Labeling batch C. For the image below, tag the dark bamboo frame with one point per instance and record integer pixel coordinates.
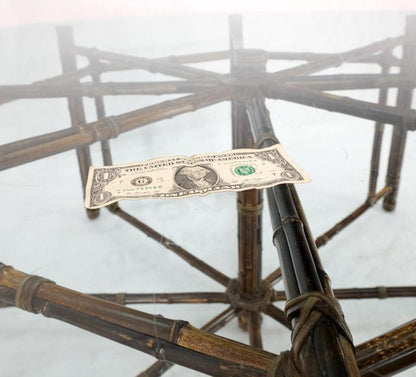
(321, 340)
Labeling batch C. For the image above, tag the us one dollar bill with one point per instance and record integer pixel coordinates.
(180, 176)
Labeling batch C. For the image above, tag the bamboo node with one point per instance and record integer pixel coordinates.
(26, 292)
(287, 220)
(322, 240)
(121, 298)
(265, 137)
(371, 200)
(409, 120)
(177, 330)
(168, 243)
(250, 210)
(114, 125)
(382, 292)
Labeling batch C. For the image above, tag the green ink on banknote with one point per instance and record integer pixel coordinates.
(244, 170)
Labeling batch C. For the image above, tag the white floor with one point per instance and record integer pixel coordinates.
(45, 230)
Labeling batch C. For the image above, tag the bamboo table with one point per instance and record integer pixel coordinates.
(321, 341)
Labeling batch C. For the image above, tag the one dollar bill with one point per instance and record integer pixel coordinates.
(180, 176)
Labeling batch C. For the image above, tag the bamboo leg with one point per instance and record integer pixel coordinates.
(76, 108)
(322, 346)
(404, 103)
(250, 247)
(254, 329)
(100, 109)
(239, 132)
(218, 322)
(238, 115)
(378, 138)
(249, 203)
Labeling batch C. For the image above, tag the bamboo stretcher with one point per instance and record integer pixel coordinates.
(321, 340)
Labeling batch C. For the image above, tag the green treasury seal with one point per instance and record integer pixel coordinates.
(244, 170)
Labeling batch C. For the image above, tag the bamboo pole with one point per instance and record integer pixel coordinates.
(389, 353)
(247, 64)
(63, 78)
(250, 205)
(404, 103)
(362, 293)
(100, 111)
(108, 88)
(60, 88)
(30, 91)
(76, 107)
(198, 57)
(23, 151)
(239, 131)
(350, 81)
(322, 82)
(337, 59)
(370, 202)
(380, 292)
(238, 115)
(375, 59)
(164, 298)
(218, 322)
(274, 277)
(278, 315)
(152, 65)
(172, 246)
(174, 341)
(324, 347)
(377, 139)
(49, 84)
(344, 105)
(254, 329)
